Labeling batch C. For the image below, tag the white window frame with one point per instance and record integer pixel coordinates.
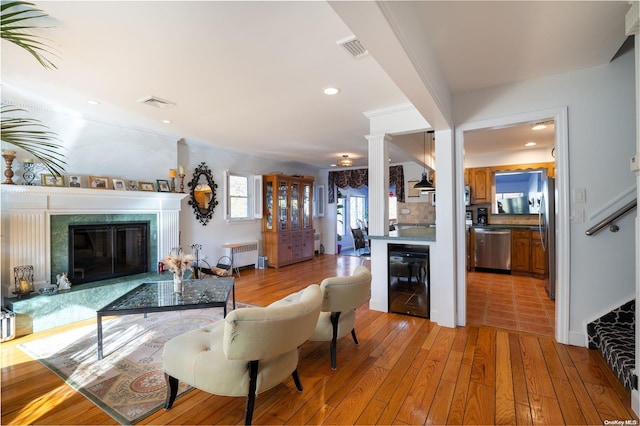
(254, 197)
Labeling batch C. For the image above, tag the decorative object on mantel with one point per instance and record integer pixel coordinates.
(178, 262)
(181, 175)
(29, 175)
(63, 282)
(48, 291)
(203, 193)
(23, 280)
(8, 156)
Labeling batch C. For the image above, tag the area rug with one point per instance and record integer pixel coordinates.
(128, 383)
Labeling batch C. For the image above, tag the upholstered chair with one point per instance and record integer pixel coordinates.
(249, 352)
(340, 298)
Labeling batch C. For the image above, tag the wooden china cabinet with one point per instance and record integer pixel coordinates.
(287, 223)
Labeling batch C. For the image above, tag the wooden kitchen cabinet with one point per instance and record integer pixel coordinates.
(520, 250)
(480, 182)
(287, 223)
(539, 262)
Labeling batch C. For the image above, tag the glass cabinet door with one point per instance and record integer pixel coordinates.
(283, 190)
(268, 205)
(295, 206)
(306, 205)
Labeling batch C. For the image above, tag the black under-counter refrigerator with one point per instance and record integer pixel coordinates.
(409, 279)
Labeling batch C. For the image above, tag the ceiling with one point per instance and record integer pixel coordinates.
(248, 76)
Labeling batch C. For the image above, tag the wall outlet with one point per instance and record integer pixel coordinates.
(635, 163)
(405, 211)
(578, 216)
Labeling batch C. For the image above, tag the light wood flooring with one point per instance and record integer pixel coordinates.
(511, 302)
(406, 370)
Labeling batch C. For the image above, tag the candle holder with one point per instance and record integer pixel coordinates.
(173, 184)
(182, 183)
(23, 280)
(8, 173)
(28, 174)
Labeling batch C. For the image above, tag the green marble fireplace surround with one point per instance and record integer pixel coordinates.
(60, 236)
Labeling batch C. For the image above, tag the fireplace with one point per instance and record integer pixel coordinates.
(107, 250)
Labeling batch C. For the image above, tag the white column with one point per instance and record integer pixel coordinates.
(379, 184)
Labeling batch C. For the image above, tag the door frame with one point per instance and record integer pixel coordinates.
(563, 224)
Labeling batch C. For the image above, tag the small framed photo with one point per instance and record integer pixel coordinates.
(51, 180)
(118, 185)
(147, 186)
(75, 181)
(132, 185)
(163, 185)
(99, 182)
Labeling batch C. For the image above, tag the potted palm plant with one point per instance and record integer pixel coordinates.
(26, 133)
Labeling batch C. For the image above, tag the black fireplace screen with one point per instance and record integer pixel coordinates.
(103, 251)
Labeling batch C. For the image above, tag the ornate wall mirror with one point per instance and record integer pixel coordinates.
(203, 193)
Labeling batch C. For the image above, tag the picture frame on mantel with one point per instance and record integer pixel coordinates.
(51, 180)
(99, 182)
(411, 191)
(147, 186)
(163, 185)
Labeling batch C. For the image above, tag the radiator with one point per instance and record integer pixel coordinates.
(316, 242)
(244, 254)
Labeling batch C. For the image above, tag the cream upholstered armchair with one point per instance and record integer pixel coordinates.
(340, 298)
(249, 352)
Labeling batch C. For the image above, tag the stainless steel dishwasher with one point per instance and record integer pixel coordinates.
(492, 248)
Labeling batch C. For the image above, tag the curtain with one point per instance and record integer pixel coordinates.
(357, 178)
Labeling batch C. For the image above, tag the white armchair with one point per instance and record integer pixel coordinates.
(249, 352)
(340, 298)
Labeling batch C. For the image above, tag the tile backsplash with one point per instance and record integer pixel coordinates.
(416, 213)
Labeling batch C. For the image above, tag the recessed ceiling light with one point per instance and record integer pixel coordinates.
(331, 91)
(530, 144)
(92, 102)
(166, 121)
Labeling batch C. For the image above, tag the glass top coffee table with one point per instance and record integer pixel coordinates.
(159, 297)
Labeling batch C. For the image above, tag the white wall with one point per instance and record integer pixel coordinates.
(602, 120)
(218, 232)
(94, 147)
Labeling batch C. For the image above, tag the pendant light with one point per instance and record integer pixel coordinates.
(425, 184)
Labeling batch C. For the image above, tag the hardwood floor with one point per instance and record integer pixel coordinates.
(406, 370)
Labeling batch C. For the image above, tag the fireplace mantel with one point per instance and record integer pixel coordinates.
(26, 227)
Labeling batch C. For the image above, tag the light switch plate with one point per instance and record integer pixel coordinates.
(579, 195)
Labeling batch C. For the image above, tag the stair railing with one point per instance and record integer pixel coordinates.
(611, 219)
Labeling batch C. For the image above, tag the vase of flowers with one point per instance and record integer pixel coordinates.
(178, 262)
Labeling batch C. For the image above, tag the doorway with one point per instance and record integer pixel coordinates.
(560, 151)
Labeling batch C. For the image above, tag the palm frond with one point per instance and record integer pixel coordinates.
(13, 15)
(34, 137)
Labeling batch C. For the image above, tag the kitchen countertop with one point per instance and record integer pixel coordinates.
(410, 233)
(505, 226)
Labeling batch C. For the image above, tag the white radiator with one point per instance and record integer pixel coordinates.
(244, 254)
(316, 242)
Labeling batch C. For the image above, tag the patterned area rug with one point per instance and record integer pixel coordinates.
(128, 383)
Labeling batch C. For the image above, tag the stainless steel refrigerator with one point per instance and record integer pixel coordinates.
(547, 226)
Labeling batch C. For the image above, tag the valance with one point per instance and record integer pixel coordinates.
(357, 178)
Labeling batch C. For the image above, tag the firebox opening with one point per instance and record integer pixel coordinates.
(102, 251)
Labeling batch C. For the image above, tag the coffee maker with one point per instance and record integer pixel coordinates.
(482, 216)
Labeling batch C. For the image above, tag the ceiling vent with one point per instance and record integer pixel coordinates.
(353, 47)
(157, 102)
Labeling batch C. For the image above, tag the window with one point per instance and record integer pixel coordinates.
(357, 210)
(242, 193)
